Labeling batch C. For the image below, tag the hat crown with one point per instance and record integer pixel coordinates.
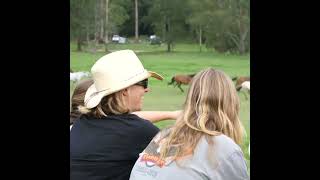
(117, 69)
(114, 72)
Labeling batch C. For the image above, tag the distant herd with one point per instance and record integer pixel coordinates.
(241, 82)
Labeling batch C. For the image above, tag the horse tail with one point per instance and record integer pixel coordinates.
(172, 81)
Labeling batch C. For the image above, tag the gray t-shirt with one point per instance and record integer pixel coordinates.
(221, 161)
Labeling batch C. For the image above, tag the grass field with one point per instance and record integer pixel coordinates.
(184, 59)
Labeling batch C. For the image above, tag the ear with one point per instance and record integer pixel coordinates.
(125, 92)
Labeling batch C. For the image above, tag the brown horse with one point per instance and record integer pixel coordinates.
(181, 79)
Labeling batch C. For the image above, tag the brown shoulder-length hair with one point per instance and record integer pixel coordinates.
(210, 109)
(77, 98)
(109, 105)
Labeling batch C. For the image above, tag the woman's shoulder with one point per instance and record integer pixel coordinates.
(232, 164)
(140, 124)
(226, 144)
(129, 120)
(222, 146)
(138, 120)
(224, 140)
(162, 134)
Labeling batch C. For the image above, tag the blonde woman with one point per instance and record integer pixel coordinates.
(204, 141)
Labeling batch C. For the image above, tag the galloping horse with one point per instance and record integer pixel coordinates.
(181, 79)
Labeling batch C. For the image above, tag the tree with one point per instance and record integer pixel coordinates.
(116, 15)
(242, 17)
(90, 18)
(136, 21)
(224, 24)
(168, 20)
(128, 27)
(229, 26)
(107, 23)
(199, 17)
(81, 20)
(101, 19)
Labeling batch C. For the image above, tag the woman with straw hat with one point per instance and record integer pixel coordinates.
(77, 106)
(107, 139)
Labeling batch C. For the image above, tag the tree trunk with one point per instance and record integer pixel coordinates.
(87, 34)
(242, 41)
(200, 37)
(96, 21)
(241, 46)
(101, 20)
(164, 36)
(169, 47)
(241, 31)
(106, 27)
(79, 44)
(136, 22)
(164, 29)
(168, 35)
(101, 29)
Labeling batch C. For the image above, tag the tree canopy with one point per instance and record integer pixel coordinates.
(223, 25)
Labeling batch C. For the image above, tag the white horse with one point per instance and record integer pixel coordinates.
(76, 76)
(245, 86)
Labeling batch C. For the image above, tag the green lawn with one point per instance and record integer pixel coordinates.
(184, 59)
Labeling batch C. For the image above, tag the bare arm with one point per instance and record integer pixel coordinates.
(155, 116)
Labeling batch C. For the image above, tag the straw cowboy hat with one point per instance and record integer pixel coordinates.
(114, 72)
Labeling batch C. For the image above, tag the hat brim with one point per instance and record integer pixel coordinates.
(155, 75)
(92, 97)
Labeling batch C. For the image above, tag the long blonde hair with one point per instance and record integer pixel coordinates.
(210, 109)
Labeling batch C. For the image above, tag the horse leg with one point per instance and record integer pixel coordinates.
(245, 95)
(179, 86)
(238, 88)
(172, 81)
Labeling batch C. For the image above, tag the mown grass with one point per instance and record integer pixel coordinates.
(184, 59)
